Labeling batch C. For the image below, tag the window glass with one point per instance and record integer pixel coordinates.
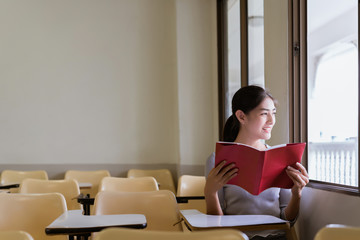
(333, 116)
(233, 34)
(256, 41)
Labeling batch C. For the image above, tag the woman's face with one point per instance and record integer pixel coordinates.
(260, 121)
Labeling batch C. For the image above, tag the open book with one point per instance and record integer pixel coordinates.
(260, 170)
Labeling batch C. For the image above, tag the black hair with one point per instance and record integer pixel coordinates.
(245, 99)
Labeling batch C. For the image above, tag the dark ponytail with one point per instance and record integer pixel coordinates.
(245, 99)
(231, 129)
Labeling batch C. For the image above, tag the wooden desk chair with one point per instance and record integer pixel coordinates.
(192, 186)
(121, 233)
(13, 176)
(335, 232)
(162, 176)
(31, 213)
(93, 177)
(159, 207)
(15, 235)
(140, 184)
(68, 188)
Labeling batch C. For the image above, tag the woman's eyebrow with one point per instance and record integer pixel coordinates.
(266, 109)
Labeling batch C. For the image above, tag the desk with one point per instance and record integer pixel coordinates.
(185, 199)
(85, 185)
(196, 220)
(86, 201)
(74, 223)
(9, 185)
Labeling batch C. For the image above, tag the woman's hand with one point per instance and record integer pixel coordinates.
(300, 178)
(218, 177)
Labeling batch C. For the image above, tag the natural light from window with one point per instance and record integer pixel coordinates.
(333, 116)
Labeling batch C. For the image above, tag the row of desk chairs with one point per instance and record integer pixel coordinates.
(101, 180)
(163, 177)
(120, 185)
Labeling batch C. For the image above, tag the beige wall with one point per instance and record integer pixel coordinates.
(276, 64)
(197, 79)
(107, 82)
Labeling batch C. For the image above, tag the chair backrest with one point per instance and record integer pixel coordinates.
(15, 235)
(335, 232)
(12, 176)
(192, 186)
(140, 184)
(93, 177)
(159, 207)
(68, 188)
(122, 233)
(162, 176)
(31, 213)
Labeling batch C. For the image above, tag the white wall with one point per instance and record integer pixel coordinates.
(97, 82)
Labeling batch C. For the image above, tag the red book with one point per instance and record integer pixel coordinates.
(260, 170)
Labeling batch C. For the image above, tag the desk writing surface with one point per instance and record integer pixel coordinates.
(85, 185)
(74, 219)
(199, 220)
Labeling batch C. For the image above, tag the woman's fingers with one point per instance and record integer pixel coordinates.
(226, 169)
(219, 176)
(302, 169)
(223, 174)
(300, 180)
(297, 177)
(230, 174)
(218, 168)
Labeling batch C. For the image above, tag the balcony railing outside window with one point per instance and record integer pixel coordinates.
(335, 162)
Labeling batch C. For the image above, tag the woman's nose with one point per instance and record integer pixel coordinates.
(271, 118)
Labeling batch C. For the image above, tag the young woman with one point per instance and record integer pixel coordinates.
(251, 123)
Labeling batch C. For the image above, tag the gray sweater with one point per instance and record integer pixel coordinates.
(234, 200)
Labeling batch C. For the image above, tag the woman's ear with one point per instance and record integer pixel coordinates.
(240, 115)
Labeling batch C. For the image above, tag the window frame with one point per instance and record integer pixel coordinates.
(222, 45)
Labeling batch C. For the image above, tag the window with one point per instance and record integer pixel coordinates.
(332, 120)
(332, 92)
(323, 82)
